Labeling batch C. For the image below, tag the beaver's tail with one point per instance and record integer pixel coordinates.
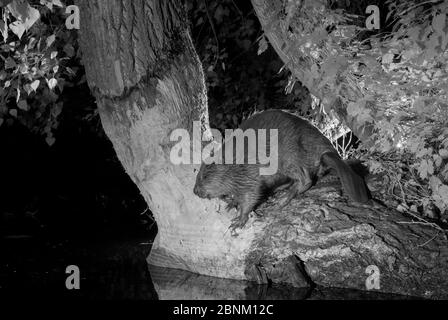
(352, 183)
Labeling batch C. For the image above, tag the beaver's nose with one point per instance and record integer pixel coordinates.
(196, 190)
(200, 192)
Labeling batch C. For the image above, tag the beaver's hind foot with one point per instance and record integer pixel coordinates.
(296, 189)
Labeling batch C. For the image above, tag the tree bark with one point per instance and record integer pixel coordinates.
(335, 242)
(147, 79)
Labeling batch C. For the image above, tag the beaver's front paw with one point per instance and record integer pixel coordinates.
(238, 223)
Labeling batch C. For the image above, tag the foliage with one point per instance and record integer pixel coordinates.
(247, 77)
(36, 51)
(393, 80)
(239, 80)
(403, 187)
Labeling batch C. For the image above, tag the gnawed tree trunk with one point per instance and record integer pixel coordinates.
(146, 76)
(148, 80)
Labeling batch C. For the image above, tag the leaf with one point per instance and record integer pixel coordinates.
(426, 168)
(200, 21)
(53, 54)
(434, 183)
(56, 111)
(443, 153)
(437, 160)
(4, 30)
(262, 45)
(439, 192)
(423, 152)
(69, 50)
(319, 35)
(35, 85)
(27, 89)
(18, 28)
(52, 83)
(219, 14)
(18, 95)
(443, 192)
(375, 166)
(10, 63)
(445, 172)
(50, 40)
(24, 13)
(352, 109)
(246, 44)
(48, 3)
(23, 68)
(51, 3)
(57, 3)
(70, 71)
(19, 9)
(50, 140)
(26, 17)
(13, 112)
(23, 105)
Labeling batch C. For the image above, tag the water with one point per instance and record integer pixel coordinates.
(116, 269)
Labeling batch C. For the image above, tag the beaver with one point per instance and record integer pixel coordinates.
(304, 155)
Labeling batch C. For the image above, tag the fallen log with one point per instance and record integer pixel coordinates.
(320, 239)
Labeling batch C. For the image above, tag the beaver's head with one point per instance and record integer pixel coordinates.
(211, 181)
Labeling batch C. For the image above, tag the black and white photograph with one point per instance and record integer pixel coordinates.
(224, 155)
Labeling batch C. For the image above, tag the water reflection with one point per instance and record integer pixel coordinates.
(172, 284)
(35, 269)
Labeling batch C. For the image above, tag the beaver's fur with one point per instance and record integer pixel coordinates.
(304, 154)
